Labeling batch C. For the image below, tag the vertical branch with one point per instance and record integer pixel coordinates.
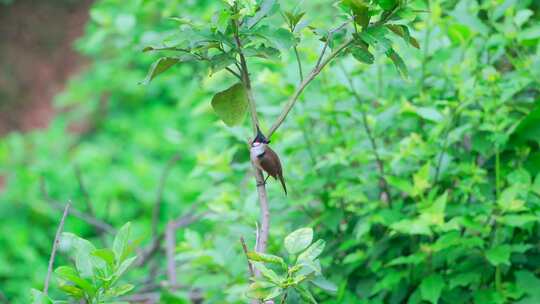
(54, 248)
(383, 184)
(170, 243)
(159, 196)
(261, 187)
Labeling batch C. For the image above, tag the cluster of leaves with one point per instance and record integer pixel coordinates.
(95, 277)
(458, 143)
(292, 279)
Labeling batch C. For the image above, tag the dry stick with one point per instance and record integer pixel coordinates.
(89, 219)
(244, 247)
(380, 165)
(159, 196)
(55, 246)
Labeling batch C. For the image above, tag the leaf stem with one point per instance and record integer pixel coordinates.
(54, 248)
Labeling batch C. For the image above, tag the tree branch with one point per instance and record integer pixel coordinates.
(170, 243)
(159, 196)
(89, 219)
(261, 188)
(316, 71)
(54, 248)
(244, 247)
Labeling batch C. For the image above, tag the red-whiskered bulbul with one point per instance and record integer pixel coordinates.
(266, 159)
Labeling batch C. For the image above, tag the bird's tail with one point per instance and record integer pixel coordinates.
(282, 180)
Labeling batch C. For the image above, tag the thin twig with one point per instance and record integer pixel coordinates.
(244, 247)
(89, 206)
(316, 71)
(234, 73)
(170, 243)
(380, 165)
(161, 187)
(299, 62)
(190, 217)
(54, 248)
(89, 219)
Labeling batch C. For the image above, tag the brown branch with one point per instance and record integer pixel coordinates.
(170, 243)
(159, 196)
(321, 63)
(54, 248)
(383, 184)
(245, 249)
(261, 188)
(89, 219)
(185, 220)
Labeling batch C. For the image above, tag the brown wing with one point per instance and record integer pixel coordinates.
(272, 165)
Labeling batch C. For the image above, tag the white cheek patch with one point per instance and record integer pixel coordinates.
(257, 149)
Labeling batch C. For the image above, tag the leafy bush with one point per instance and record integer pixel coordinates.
(95, 276)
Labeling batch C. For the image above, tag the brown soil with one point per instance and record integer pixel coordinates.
(36, 58)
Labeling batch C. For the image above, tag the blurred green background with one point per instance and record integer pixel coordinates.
(458, 139)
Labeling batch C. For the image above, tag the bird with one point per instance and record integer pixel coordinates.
(266, 159)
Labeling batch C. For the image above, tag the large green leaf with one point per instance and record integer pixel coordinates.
(431, 288)
(298, 240)
(231, 105)
(121, 243)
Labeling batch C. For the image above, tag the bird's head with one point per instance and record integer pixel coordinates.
(260, 139)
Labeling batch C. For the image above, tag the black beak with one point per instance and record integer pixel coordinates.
(260, 137)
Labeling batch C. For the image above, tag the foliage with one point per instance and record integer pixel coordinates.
(291, 281)
(455, 144)
(95, 276)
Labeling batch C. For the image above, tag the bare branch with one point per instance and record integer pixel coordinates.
(234, 73)
(170, 243)
(299, 62)
(89, 219)
(54, 248)
(159, 196)
(185, 220)
(316, 70)
(244, 247)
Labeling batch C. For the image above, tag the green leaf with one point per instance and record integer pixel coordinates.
(403, 32)
(274, 293)
(120, 290)
(431, 288)
(39, 298)
(305, 294)
(121, 243)
(231, 105)
(124, 266)
(530, 33)
(72, 291)
(220, 62)
(360, 11)
(387, 4)
(313, 251)
(268, 273)
(362, 54)
(398, 62)
(107, 255)
(324, 284)
(71, 275)
(160, 66)
(266, 8)
(499, 255)
(298, 240)
(267, 258)
(376, 36)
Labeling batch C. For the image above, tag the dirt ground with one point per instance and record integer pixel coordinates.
(36, 58)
